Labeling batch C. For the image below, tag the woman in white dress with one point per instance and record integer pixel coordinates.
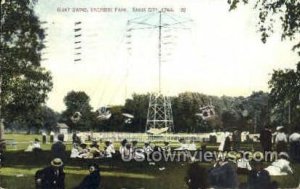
(280, 166)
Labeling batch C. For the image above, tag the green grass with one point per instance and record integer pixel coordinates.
(20, 167)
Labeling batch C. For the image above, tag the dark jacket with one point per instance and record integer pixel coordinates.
(58, 150)
(266, 139)
(50, 179)
(92, 181)
(224, 176)
(259, 180)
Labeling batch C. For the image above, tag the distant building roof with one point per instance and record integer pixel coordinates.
(62, 126)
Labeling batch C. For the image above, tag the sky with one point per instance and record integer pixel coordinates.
(212, 51)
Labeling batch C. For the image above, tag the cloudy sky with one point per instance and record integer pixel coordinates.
(218, 53)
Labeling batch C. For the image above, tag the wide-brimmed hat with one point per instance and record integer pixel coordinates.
(279, 128)
(57, 162)
(284, 155)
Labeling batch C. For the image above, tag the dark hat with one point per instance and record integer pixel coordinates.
(134, 142)
(57, 162)
(94, 165)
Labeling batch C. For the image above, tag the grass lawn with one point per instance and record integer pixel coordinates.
(20, 167)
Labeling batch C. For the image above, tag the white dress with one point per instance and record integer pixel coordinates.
(224, 136)
(110, 150)
(279, 167)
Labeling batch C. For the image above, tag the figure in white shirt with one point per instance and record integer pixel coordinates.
(225, 142)
(75, 151)
(294, 140)
(281, 140)
(280, 166)
(109, 149)
(147, 148)
(36, 144)
(243, 165)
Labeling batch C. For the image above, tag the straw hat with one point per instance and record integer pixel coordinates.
(284, 155)
(279, 128)
(57, 162)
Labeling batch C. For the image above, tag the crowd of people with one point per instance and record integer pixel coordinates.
(223, 173)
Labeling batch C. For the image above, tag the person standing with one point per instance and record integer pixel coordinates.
(294, 140)
(58, 149)
(51, 177)
(266, 140)
(281, 140)
(236, 140)
(91, 181)
(225, 145)
(51, 137)
(44, 137)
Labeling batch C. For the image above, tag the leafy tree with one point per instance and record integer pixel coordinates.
(286, 13)
(78, 102)
(24, 83)
(137, 106)
(116, 121)
(284, 95)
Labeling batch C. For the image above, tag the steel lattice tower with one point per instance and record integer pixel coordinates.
(160, 112)
(160, 108)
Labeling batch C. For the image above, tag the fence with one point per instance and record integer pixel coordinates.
(119, 136)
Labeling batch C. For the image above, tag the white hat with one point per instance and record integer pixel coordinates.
(284, 154)
(279, 128)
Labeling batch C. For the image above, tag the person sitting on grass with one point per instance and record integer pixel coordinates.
(166, 148)
(147, 148)
(243, 165)
(74, 151)
(36, 145)
(94, 151)
(29, 147)
(281, 166)
(258, 178)
(196, 177)
(109, 149)
(223, 175)
(91, 181)
(51, 177)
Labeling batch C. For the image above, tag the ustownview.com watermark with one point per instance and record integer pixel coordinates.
(202, 156)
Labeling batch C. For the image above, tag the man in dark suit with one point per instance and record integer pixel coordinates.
(91, 181)
(259, 178)
(223, 175)
(51, 177)
(266, 140)
(58, 149)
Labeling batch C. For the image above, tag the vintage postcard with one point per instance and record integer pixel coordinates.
(149, 94)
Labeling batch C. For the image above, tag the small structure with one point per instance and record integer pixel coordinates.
(62, 128)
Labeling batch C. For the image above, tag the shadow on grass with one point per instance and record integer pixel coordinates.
(107, 182)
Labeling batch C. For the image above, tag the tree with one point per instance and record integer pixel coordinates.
(137, 106)
(24, 83)
(284, 95)
(287, 13)
(78, 102)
